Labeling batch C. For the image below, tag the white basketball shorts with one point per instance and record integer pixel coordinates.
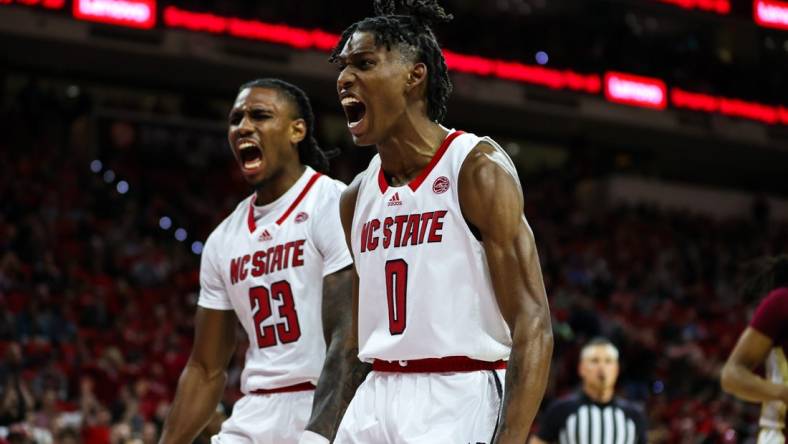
(276, 418)
(424, 408)
(771, 436)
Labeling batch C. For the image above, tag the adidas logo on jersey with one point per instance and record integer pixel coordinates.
(395, 200)
(266, 236)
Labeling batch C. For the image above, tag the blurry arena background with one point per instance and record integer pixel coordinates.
(651, 137)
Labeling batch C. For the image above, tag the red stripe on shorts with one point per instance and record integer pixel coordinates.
(438, 365)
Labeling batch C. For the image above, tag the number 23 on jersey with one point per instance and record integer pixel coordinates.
(286, 331)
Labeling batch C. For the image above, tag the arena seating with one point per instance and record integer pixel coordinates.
(97, 300)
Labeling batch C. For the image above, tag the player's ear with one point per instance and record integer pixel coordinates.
(417, 76)
(297, 131)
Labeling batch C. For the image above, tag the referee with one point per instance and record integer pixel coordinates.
(593, 415)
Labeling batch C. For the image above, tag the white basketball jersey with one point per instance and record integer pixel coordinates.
(267, 264)
(773, 412)
(424, 286)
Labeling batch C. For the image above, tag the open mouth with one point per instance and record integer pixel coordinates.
(251, 155)
(355, 110)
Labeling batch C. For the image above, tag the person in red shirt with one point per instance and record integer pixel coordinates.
(764, 342)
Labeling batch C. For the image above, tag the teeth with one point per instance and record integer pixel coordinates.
(246, 145)
(353, 124)
(252, 164)
(349, 101)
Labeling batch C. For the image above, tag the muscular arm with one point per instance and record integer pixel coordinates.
(329, 403)
(738, 377)
(356, 370)
(492, 201)
(202, 382)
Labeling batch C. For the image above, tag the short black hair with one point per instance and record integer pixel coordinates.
(309, 152)
(599, 341)
(411, 29)
(764, 275)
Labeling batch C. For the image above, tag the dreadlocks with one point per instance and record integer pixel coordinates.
(308, 150)
(767, 274)
(411, 32)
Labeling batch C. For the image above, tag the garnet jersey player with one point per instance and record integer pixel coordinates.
(448, 291)
(764, 342)
(279, 265)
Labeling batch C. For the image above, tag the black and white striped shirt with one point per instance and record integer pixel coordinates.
(577, 419)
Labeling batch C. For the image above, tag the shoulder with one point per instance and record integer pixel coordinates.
(480, 160)
(330, 186)
(487, 159)
(489, 191)
(772, 312)
(327, 191)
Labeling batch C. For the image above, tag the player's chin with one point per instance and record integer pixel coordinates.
(255, 180)
(253, 176)
(365, 137)
(364, 140)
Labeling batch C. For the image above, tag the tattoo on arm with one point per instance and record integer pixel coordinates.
(341, 372)
(513, 381)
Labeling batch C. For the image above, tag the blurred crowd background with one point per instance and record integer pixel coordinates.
(109, 186)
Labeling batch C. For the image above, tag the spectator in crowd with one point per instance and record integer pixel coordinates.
(15, 398)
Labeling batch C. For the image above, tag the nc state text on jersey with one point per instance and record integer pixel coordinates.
(275, 258)
(402, 230)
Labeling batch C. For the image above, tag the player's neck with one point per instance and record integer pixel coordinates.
(409, 148)
(275, 186)
(602, 395)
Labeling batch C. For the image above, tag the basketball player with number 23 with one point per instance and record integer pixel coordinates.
(278, 264)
